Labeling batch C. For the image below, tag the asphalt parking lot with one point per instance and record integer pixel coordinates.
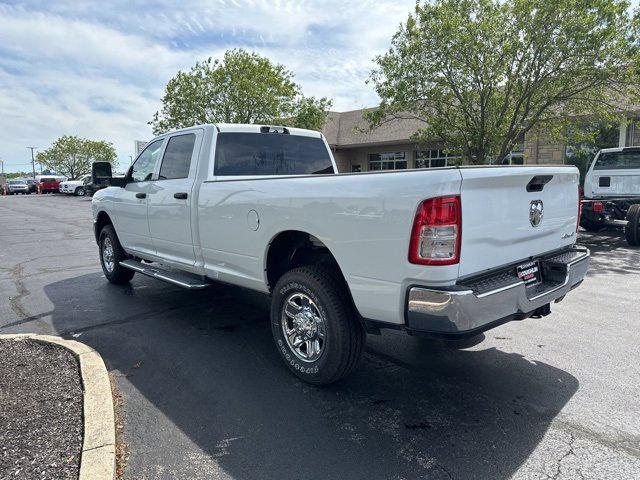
(205, 395)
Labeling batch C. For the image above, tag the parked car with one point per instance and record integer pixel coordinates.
(612, 192)
(76, 187)
(445, 252)
(18, 186)
(32, 184)
(49, 184)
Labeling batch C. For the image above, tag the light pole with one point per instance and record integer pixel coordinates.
(33, 161)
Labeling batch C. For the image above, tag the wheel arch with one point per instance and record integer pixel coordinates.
(295, 248)
(102, 219)
(290, 249)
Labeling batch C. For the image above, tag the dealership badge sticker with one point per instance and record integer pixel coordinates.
(536, 212)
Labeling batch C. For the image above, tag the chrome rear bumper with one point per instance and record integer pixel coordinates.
(478, 304)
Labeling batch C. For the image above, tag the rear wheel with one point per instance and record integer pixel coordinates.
(314, 325)
(632, 229)
(111, 254)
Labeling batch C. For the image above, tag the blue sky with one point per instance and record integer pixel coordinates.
(98, 70)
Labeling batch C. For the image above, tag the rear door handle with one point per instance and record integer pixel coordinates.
(180, 195)
(141, 195)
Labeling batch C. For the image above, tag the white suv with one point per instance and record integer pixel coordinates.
(76, 187)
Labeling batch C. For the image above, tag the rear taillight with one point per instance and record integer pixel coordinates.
(598, 207)
(579, 206)
(437, 231)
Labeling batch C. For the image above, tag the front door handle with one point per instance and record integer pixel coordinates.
(180, 195)
(141, 195)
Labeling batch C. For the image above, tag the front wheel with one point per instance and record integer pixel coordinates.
(314, 325)
(632, 229)
(79, 192)
(111, 254)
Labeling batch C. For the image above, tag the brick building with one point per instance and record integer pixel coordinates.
(388, 147)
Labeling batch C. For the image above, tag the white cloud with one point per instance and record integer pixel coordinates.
(98, 70)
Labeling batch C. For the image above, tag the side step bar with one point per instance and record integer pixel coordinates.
(181, 279)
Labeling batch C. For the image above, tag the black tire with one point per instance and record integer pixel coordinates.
(115, 273)
(632, 229)
(344, 336)
(79, 192)
(590, 225)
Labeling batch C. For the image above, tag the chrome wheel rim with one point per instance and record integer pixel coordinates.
(81, 192)
(107, 255)
(303, 327)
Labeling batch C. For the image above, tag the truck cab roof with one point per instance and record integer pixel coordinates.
(620, 149)
(246, 128)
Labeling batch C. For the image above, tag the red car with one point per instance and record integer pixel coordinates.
(49, 185)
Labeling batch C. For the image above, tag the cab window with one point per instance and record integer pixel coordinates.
(143, 167)
(270, 154)
(618, 160)
(176, 160)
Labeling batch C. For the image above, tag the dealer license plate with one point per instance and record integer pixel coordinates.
(529, 273)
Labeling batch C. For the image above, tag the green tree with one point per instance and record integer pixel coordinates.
(585, 138)
(18, 175)
(72, 156)
(243, 87)
(480, 74)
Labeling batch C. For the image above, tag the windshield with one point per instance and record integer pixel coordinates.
(270, 154)
(17, 182)
(618, 160)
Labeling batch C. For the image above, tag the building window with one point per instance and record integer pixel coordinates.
(435, 158)
(631, 134)
(388, 161)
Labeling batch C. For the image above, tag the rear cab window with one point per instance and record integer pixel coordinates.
(618, 160)
(257, 154)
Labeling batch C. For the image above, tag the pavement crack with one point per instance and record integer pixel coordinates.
(120, 321)
(28, 319)
(446, 472)
(567, 454)
(15, 302)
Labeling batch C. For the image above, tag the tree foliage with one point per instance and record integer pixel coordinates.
(585, 138)
(72, 156)
(480, 74)
(243, 87)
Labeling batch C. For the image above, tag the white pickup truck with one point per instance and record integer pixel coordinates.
(612, 192)
(445, 252)
(76, 187)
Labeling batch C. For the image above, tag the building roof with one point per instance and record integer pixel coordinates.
(351, 129)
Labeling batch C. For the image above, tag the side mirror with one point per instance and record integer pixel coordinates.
(102, 176)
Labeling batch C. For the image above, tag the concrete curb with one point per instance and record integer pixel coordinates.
(98, 459)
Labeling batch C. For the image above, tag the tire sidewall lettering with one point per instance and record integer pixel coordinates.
(288, 357)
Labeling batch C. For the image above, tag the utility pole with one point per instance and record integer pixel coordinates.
(2, 166)
(33, 161)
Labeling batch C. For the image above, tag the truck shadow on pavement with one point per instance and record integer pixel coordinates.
(625, 261)
(206, 395)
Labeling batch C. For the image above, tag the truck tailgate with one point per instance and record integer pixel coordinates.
(497, 226)
(616, 183)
